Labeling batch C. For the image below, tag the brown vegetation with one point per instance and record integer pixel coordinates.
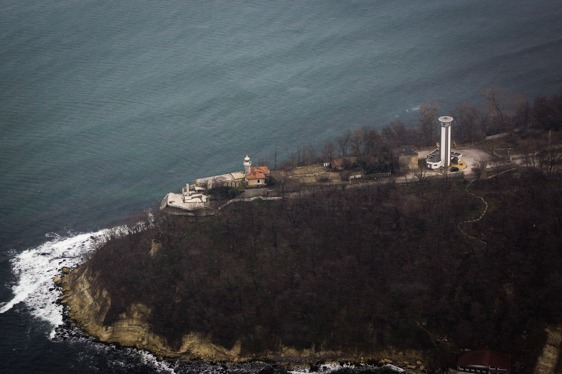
(356, 271)
(363, 270)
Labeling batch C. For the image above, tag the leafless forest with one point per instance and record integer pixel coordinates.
(388, 265)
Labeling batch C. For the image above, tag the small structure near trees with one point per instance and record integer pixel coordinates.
(188, 200)
(483, 362)
(255, 176)
(407, 156)
(193, 198)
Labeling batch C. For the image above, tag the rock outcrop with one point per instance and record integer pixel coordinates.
(88, 306)
(550, 356)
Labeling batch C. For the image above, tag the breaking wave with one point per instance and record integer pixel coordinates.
(35, 268)
(33, 288)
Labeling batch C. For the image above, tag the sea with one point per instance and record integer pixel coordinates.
(105, 106)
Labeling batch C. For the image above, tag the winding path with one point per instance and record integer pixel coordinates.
(459, 225)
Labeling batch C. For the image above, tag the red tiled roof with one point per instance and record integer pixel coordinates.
(337, 163)
(263, 169)
(485, 358)
(259, 172)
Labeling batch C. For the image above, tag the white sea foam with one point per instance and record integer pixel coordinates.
(324, 368)
(35, 269)
(150, 360)
(121, 359)
(333, 367)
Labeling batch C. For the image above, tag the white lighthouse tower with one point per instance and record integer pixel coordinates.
(247, 165)
(445, 145)
(441, 157)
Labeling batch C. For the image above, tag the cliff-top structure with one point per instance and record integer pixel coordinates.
(193, 197)
(441, 157)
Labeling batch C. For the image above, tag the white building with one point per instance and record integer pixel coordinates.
(255, 176)
(234, 179)
(187, 200)
(251, 177)
(195, 199)
(442, 156)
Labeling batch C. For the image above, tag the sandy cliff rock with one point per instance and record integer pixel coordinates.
(88, 306)
(548, 360)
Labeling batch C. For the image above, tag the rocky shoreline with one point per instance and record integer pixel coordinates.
(86, 307)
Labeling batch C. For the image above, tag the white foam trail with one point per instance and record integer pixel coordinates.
(324, 368)
(413, 109)
(332, 367)
(35, 269)
(149, 359)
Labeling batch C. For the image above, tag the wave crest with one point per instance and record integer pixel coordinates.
(35, 269)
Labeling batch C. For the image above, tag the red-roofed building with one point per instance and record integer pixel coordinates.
(483, 362)
(255, 176)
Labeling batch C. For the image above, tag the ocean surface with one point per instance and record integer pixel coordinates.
(105, 106)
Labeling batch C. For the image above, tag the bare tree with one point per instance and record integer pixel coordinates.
(395, 133)
(356, 141)
(467, 124)
(547, 112)
(530, 155)
(329, 150)
(371, 140)
(275, 159)
(484, 121)
(427, 123)
(343, 142)
(522, 117)
(550, 160)
(309, 154)
(499, 103)
(494, 107)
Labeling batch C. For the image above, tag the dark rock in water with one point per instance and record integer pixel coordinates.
(268, 369)
(364, 369)
(280, 369)
(385, 370)
(344, 371)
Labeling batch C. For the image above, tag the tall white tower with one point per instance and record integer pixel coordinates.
(445, 145)
(247, 165)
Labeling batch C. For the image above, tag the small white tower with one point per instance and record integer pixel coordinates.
(445, 145)
(247, 165)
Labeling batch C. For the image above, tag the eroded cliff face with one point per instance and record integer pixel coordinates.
(549, 359)
(88, 306)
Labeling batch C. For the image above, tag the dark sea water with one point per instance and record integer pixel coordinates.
(105, 106)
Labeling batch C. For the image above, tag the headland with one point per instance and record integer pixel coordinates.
(328, 262)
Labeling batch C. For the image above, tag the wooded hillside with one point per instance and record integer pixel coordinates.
(358, 270)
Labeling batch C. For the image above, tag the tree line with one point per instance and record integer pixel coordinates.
(499, 111)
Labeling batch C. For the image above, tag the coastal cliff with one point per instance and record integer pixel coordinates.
(87, 306)
(363, 274)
